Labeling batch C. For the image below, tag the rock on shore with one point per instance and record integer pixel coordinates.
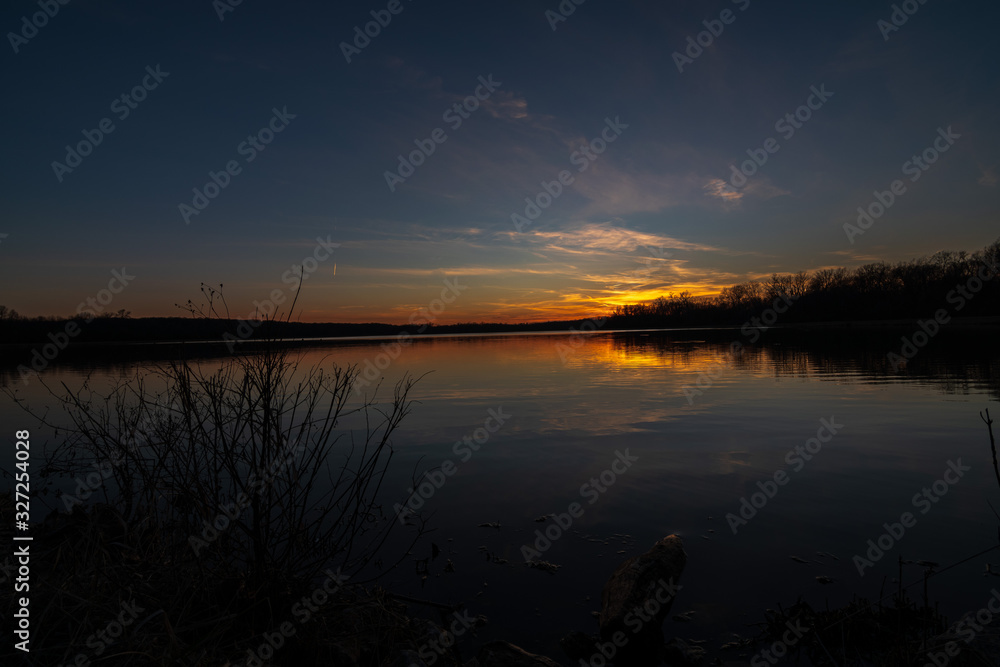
(636, 599)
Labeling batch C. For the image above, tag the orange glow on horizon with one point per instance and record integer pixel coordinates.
(571, 306)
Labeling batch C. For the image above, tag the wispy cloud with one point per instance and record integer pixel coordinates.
(609, 237)
(719, 189)
(504, 104)
(759, 187)
(988, 179)
(457, 271)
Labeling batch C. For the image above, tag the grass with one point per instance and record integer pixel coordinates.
(902, 633)
(230, 492)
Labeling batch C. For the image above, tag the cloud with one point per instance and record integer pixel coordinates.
(613, 191)
(610, 238)
(851, 255)
(413, 77)
(988, 179)
(501, 104)
(458, 271)
(506, 106)
(719, 189)
(762, 188)
(759, 188)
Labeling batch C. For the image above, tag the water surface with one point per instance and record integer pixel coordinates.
(571, 405)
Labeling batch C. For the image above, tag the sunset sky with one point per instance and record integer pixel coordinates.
(653, 213)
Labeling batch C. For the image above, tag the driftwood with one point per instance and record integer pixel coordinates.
(637, 598)
(505, 654)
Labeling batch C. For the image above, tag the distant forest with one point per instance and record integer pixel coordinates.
(916, 289)
(908, 290)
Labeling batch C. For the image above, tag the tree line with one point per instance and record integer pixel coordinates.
(905, 290)
(876, 291)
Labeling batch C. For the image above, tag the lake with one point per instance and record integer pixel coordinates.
(653, 433)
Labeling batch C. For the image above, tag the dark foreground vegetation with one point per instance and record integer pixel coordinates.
(916, 289)
(215, 512)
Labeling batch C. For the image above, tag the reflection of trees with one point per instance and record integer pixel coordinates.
(955, 362)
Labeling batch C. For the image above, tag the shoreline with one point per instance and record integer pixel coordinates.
(959, 324)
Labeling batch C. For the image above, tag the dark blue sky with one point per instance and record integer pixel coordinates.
(653, 213)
